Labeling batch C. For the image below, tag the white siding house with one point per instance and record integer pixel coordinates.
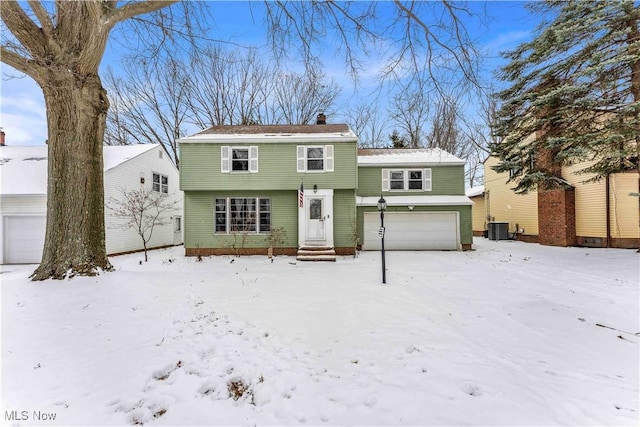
(23, 198)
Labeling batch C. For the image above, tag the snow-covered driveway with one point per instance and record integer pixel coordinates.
(508, 334)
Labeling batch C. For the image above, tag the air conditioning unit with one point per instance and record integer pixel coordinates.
(498, 231)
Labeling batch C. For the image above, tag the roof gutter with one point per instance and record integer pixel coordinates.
(268, 139)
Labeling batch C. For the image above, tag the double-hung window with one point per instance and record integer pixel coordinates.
(406, 179)
(396, 180)
(238, 159)
(242, 215)
(160, 183)
(315, 158)
(415, 180)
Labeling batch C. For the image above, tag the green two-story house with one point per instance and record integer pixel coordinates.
(308, 190)
(243, 183)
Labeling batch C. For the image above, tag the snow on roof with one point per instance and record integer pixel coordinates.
(23, 170)
(273, 133)
(475, 191)
(115, 155)
(406, 156)
(415, 200)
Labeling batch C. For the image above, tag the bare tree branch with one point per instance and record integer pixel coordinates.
(130, 10)
(22, 27)
(18, 62)
(43, 17)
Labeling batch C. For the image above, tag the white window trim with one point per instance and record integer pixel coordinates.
(160, 175)
(426, 180)
(327, 158)
(226, 159)
(227, 215)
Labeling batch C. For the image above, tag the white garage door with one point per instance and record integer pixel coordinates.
(23, 239)
(412, 231)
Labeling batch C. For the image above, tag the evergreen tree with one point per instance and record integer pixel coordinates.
(574, 93)
(398, 141)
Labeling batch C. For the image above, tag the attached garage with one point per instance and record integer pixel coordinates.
(413, 231)
(23, 239)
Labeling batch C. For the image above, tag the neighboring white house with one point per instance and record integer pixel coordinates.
(23, 198)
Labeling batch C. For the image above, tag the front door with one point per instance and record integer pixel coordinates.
(316, 219)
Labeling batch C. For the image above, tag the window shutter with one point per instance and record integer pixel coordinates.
(253, 159)
(385, 179)
(225, 167)
(328, 158)
(301, 158)
(427, 179)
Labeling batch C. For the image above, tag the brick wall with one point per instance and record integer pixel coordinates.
(557, 217)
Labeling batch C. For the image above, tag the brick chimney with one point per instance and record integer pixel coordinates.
(2, 144)
(322, 119)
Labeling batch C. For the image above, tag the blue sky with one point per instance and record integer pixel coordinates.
(23, 115)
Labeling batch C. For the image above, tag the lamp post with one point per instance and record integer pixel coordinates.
(382, 205)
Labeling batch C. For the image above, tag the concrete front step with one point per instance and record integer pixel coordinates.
(319, 252)
(315, 248)
(316, 253)
(330, 258)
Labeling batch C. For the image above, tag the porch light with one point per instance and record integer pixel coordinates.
(382, 205)
(315, 188)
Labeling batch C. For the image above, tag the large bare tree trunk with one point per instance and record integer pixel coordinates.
(76, 116)
(60, 45)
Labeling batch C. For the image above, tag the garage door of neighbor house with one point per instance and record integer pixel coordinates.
(413, 231)
(23, 239)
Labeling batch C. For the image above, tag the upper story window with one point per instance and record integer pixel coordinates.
(315, 158)
(160, 183)
(396, 180)
(238, 159)
(406, 179)
(415, 180)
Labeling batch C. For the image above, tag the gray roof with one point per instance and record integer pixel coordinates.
(275, 129)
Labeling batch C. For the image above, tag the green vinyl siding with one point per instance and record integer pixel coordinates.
(466, 234)
(199, 220)
(277, 168)
(445, 180)
(344, 218)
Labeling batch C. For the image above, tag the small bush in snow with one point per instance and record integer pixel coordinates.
(237, 388)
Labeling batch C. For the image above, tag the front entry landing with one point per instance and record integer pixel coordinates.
(315, 227)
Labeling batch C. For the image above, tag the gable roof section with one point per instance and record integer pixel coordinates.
(23, 170)
(273, 134)
(115, 155)
(406, 157)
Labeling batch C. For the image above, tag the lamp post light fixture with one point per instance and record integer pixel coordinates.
(382, 205)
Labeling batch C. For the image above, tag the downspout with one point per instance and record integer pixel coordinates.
(608, 210)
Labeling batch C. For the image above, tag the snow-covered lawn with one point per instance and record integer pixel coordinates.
(508, 334)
